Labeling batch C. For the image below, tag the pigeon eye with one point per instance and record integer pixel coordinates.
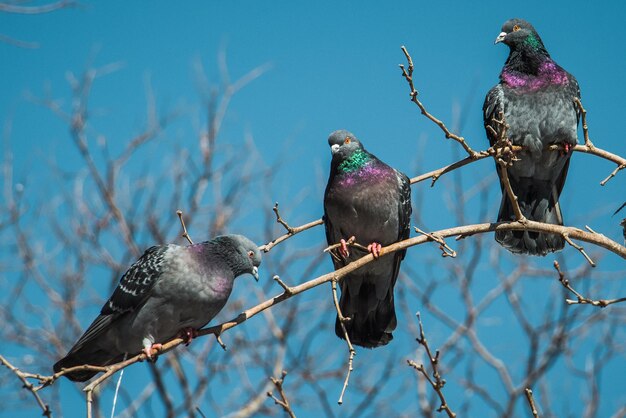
(250, 253)
(347, 140)
(516, 28)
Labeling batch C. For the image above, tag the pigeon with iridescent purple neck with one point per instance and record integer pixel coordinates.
(170, 290)
(536, 97)
(371, 201)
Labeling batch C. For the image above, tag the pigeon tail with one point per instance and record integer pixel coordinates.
(538, 201)
(81, 357)
(371, 319)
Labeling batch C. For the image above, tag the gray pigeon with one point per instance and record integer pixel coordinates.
(171, 290)
(536, 97)
(371, 201)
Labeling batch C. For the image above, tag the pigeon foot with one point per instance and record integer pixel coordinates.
(188, 334)
(566, 148)
(343, 250)
(147, 350)
(374, 249)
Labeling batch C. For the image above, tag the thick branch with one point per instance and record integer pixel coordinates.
(459, 232)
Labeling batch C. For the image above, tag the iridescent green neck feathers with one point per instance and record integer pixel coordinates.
(532, 41)
(353, 163)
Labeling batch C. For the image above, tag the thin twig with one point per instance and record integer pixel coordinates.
(283, 401)
(28, 386)
(280, 220)
(579, 248)
(613, 174)
(583, 114)
(282, 284)
(352, 351)
(437, 382)
(117, 390)
(446, 251)
(580, 299)
(185, 234)
(218, 338)
(89, 396)
(531, 402)
(407, 73)
(589, 145)
(291, 231)
(506, 183)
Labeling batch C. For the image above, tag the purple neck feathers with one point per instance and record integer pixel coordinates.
(369, 172)
(548, 73)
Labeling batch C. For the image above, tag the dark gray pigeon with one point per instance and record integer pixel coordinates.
(537, 99)
(171, 290)
(371, 201)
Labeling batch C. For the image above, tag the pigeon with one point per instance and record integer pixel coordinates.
(170, 290)
(371, 201)
(536, 97)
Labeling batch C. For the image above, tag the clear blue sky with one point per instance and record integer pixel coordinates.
(334, 64)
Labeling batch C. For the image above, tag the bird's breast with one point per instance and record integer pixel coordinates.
(359, 206)
(540, 118)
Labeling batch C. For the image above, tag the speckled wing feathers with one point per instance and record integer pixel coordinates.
(137, 282)
(168, 288)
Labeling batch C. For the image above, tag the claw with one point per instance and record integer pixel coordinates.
(566, 149)
(147, 350)
(188, 334)
(343, 250)
(374, 248)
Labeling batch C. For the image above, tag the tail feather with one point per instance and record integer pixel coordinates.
(538, 201)
(84, 356)
(371, 319)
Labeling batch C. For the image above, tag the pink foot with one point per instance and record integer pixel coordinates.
(374, 248)
(566, 148)
(188, 334)
(148, 350)
(343, 250)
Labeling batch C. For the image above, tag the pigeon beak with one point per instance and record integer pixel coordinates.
(334, 148)
(500, 37)
(255, 273)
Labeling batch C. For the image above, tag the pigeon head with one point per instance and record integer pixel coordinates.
(348, 152)
(241, 254)
(518, 34)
